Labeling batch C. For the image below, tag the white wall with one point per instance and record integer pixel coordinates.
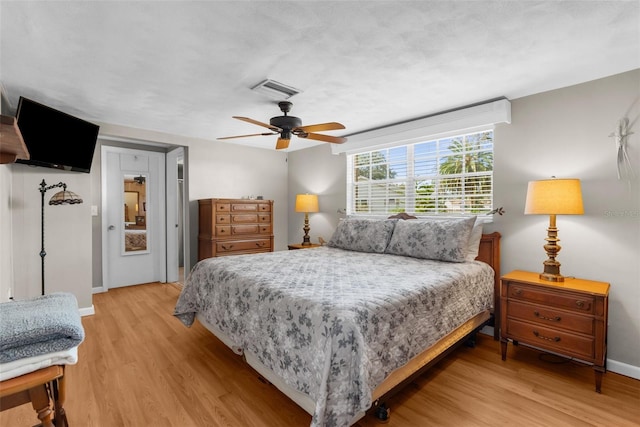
(67, 235)
(316, 171)
(563, 133)
(219, 169)
(6, 252)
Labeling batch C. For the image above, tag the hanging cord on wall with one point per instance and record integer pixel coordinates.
(621, 134)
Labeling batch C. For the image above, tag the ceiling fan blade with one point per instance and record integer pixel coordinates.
(255, 122)
(320, 127)
(245, 136)
(282, 143)
(325, 138)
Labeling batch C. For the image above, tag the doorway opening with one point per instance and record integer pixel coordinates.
(151, 183)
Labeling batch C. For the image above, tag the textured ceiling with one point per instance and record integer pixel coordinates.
(185, 68)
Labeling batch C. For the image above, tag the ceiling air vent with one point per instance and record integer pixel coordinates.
(276, 90)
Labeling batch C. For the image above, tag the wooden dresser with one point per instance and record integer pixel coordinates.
(234, 226)
(567, 318)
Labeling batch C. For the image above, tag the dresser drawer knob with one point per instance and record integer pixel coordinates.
(542, 337)
(517, 291)
(227, 247)
(580, 303)
(553, 319)
(260, 244)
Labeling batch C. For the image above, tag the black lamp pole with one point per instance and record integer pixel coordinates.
(43, 189)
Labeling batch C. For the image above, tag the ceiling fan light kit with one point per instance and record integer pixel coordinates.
(286, 126)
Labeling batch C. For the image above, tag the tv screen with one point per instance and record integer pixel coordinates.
(56, 139)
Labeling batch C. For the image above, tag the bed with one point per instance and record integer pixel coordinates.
(339, 328)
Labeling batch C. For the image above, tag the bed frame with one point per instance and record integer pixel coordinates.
(489, 252)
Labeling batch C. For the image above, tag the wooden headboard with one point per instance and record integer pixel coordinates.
(489, 252)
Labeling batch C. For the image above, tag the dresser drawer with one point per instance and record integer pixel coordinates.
(223, 230)
(265, 228)
(240, 229)
(244, 218)
(562, 342)
(223, 207)
(223, 219)
(549, 316)
(244, 207)
(264, 217)
(568, 301)
(264, 207)
(255, 245)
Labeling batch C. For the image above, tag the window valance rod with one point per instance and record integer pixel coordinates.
(430, 127)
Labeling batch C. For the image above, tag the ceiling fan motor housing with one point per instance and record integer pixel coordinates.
(285, 122)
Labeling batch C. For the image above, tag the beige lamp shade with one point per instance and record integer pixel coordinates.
(306, 203)
(65, 198)
(554, 197)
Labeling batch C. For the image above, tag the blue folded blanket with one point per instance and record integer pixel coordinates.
(38, 326)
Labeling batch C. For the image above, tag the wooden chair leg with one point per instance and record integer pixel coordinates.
(58, 387)
(40, 401)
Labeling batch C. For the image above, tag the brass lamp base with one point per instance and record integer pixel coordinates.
(551, 266)
(306, 240)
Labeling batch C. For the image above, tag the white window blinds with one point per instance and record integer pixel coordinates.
(452, 176)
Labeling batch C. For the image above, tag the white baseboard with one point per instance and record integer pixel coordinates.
(623, 369)
(87, 311)
(97, 290)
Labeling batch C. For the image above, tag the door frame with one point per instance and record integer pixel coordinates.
(174, 157)
(118, 143)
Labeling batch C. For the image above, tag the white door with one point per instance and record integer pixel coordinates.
(134, 233)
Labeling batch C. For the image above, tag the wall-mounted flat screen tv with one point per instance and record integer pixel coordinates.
(56, 139)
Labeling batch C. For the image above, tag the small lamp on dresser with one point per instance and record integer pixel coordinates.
(306, 203)
(553, 197)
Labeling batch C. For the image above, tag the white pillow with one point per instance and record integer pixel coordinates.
(474, 241)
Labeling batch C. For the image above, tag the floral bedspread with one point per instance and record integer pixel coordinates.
(333, 323)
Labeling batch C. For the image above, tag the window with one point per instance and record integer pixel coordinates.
(453, 175)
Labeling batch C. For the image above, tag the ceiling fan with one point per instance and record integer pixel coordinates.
(285, 126)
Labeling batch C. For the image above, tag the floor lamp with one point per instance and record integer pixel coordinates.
(63, 197)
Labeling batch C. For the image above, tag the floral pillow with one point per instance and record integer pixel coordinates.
(363, 235)
(442, 240)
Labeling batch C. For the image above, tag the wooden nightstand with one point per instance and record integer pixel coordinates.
(300, 246)
(567, 318)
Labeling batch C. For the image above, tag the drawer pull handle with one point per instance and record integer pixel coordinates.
(260, 244)
(226, 248)
(517, 291)
(580, 303)
(553, 319)
(542, 337)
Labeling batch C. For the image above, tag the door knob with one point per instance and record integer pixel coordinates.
(111, 227)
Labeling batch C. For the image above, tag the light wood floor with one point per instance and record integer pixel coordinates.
(139, 366)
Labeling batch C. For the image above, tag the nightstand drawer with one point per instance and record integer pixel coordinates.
(551, 339)
(549, 316)
(555, 298)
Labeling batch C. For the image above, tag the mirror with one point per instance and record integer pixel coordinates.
(135, 213)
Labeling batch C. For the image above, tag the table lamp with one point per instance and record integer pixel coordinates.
(306, 203)
(553, 197)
